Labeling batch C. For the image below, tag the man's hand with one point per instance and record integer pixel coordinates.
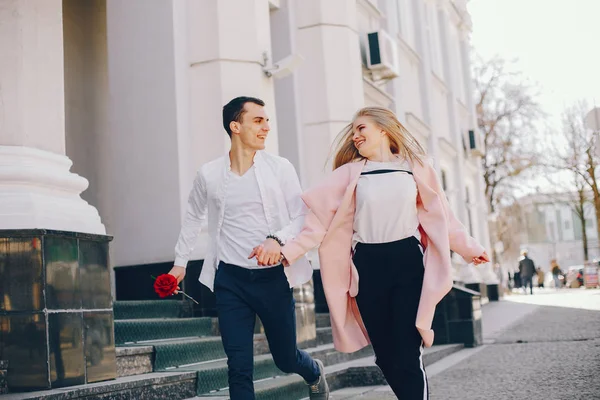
(484, 258)
(179, 273)
(267, 253)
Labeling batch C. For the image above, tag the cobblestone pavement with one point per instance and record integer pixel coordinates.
(551, 353)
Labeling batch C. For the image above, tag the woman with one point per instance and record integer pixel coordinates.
(374, 216)
(556, 273)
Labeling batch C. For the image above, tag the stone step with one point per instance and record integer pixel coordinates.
(373, 390)
(154, 386)
(136, 330)
(178, 352)
(213, 375)
(137, 358)
(139, 309)
(324, 336)
(323, 320)
(293, 387)
(181, 384)
(134, 360)
(355, 373)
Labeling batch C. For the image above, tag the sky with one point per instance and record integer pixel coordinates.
(556, 44)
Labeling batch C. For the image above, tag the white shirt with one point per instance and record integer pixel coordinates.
(244, 221)
(386, 204)
(283, 208)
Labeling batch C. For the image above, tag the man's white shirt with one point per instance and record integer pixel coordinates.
(209, 200)
(244, 221)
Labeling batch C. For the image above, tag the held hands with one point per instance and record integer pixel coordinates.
(267, 254)
(179, 273)
(484, 258)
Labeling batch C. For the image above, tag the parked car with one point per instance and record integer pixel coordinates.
(574, 276)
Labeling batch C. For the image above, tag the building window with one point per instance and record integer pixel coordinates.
(559, 226)
(567, 225)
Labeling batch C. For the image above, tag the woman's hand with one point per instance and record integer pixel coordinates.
(484, 258)
(267, 254)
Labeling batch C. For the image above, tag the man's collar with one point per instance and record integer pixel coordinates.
(258, 159)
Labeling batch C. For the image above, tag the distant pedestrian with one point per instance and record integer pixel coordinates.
(541, 277)
(555, 269)
(526, 271)
(517, 279)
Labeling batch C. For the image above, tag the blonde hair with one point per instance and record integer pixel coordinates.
(402, 142)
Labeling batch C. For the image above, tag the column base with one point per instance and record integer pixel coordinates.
(37, 191)
(56, 309)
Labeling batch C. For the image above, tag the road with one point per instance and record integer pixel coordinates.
(544, 346)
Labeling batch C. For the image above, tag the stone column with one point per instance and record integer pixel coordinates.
(480, 197)
(469, 274)
(452, 84)
(287, 89)
(423, 47)
(36, 188)
(329, 88)
(331, 85)
(55, 300)
(226, 66)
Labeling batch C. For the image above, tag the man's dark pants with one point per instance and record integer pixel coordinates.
(242, 294)
(528, 281)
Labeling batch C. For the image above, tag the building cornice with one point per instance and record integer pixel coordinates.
(418, 124)
(377, 93)
(439, 82)
(371, 9)
(408, 49)
(448, 147)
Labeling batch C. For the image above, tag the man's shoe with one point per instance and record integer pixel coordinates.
(320, 389)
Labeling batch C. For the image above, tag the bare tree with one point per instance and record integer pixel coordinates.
(579, 157)
(578, 203)
(508, 228)
(507, 112)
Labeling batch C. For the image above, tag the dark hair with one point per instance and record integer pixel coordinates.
(234, 110)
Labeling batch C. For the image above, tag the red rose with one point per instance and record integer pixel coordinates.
(165, 285)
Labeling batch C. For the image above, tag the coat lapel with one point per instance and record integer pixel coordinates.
(347, 204)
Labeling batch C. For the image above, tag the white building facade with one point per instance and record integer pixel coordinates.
(131, 93)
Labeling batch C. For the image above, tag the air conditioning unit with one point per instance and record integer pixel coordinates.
(475, 143)
(382, 55)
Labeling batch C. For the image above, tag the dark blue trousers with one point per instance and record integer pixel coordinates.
(242, 294)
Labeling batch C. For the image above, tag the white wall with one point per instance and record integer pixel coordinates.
(86, 92)
(141, 204)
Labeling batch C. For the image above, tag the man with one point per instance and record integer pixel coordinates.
(249, 197)
(526, 271)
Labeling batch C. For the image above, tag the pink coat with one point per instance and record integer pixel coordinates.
(330, 223)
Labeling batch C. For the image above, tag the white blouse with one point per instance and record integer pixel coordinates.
(386, 203)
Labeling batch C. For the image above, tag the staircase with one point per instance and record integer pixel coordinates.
(164, 353)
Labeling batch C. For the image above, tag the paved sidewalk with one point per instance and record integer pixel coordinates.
(545, 347)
